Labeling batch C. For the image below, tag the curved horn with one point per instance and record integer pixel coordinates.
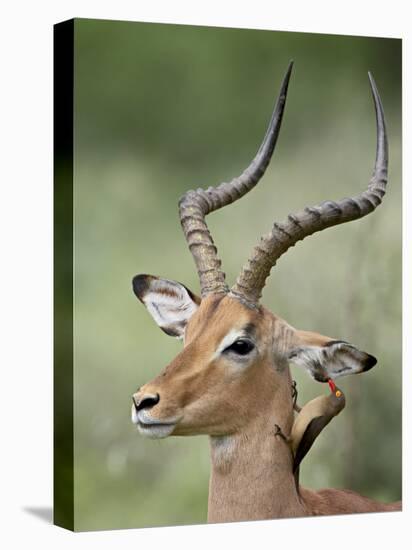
(251, 280)
(195, 205)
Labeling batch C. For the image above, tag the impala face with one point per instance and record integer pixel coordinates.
(234, 359)
(236, 353)
(212, 386)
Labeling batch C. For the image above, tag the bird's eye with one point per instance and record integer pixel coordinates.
(241, 347)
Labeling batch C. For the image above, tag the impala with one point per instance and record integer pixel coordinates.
(232, 380)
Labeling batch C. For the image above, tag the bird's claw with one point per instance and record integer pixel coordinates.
(278, 432)
(294, 391)
(295, 397)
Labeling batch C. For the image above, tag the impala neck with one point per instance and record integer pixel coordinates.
(251, 474)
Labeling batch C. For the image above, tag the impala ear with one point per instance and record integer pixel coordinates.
(169, 303)
(325, 358)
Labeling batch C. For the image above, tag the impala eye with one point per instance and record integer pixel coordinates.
(241, 347)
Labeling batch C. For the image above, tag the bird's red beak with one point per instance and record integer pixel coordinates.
(332, 385)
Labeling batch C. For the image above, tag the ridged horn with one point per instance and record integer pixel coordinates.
(195, 205)
(297, 226)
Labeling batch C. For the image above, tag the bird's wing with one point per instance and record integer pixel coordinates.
(312, 431)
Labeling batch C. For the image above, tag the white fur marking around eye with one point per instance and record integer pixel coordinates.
(228, 340)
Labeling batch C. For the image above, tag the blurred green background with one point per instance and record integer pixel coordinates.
(160, 109)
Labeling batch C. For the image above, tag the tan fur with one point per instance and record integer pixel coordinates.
(311, 338)
(251, 474)
(341, 501)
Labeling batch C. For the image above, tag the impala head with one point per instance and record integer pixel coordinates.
(236, 354)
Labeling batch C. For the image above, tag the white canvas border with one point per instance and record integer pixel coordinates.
(26, 274)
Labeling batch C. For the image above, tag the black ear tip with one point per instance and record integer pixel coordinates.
(370, 362)
(140, 284)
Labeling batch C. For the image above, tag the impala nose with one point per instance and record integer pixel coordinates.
(146, 401)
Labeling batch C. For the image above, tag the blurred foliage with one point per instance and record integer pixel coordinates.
(160, 109)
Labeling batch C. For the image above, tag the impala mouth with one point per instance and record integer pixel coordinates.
(151, 427)
(156, 430)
